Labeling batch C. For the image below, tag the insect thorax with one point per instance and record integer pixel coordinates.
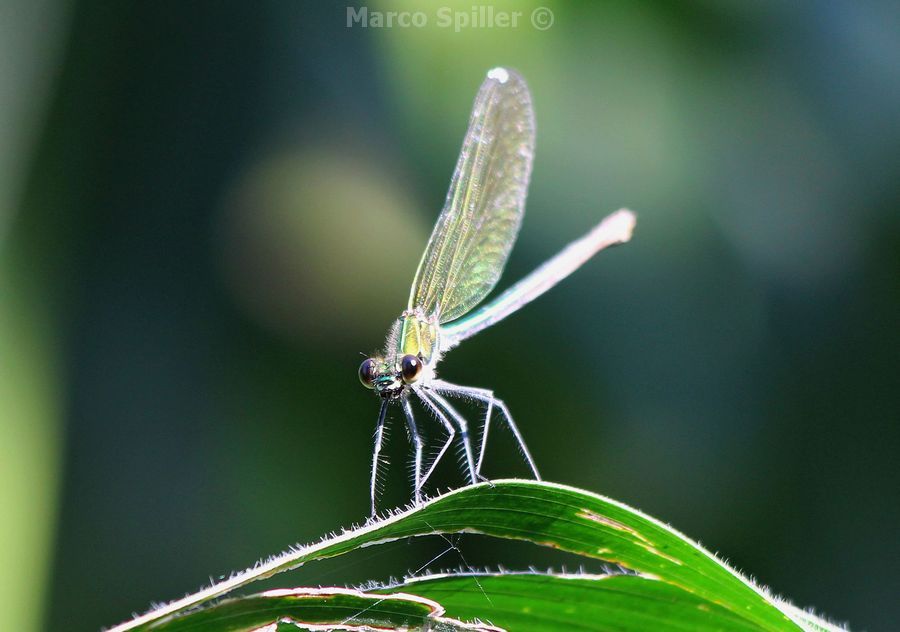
(415, 334)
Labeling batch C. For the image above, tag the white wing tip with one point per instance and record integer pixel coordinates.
(500, 74)
(618, 226)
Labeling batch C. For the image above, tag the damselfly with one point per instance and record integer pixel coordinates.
(461, 265)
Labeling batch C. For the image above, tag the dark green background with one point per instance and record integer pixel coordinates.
(212, 208)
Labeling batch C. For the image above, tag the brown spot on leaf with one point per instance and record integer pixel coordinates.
(609, 522)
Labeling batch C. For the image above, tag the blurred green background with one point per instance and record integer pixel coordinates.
(207, 210)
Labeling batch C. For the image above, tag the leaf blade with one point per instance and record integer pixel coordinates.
(597, 603)
(546, 514)
(310, 607)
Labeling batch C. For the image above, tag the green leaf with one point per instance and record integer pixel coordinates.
(669, 574)
(307, 607)
(543, 602)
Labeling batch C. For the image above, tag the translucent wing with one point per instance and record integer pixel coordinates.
(481, 217)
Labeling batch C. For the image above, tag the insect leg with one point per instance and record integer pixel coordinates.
(451, 432)
(417, 445)
(376, 452)
(463, 432)
(487, 396)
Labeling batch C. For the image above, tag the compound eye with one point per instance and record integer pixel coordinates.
(367, 373)
(410, 368)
